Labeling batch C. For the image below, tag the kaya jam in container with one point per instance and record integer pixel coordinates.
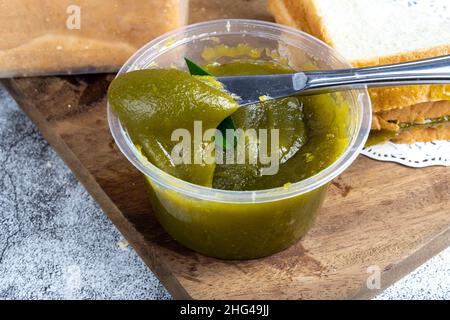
(241, 224)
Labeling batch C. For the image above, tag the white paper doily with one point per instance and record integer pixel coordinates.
(418, 155)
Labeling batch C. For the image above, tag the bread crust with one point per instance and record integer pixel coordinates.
(302, 15)
(425, 134)
(417, 113)
(389, 98)
(24, 60)
(295, 19)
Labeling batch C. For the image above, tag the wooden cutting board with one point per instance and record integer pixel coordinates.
(380, 216)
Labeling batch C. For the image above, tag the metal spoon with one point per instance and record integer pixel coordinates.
(250, 89)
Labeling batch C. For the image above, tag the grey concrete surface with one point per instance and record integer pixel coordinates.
(55, 243)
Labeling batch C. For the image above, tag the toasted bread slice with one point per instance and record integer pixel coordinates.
(424, 134)
(43, 37)
(413, 134)
(418, 114)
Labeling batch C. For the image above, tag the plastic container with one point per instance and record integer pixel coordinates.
(231, 224)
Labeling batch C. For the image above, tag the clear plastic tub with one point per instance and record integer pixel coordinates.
(247, 224)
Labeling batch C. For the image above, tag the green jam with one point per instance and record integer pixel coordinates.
(151, 104)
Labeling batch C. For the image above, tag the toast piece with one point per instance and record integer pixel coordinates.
(417, 114)
(358, 30)
(424, 134)
(50, 37)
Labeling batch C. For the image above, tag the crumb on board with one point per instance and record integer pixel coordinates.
(123, 244)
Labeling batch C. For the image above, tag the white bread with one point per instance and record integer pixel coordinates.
(368, 33)
(35, 39)
(365, 31)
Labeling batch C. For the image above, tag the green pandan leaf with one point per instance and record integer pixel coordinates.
(196, 70)
(224, 143)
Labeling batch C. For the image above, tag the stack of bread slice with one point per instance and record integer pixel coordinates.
(66, 36)
(369, 33)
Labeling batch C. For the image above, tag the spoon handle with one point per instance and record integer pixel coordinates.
(428, 71)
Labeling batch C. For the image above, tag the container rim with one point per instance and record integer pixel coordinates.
(123, 141)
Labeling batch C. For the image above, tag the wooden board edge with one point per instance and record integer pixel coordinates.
(160, 270)
(395, 272)
(390, 275)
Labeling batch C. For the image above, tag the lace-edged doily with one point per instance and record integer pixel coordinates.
(416, 155)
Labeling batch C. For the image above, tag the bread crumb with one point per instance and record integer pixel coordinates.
(123, 244)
